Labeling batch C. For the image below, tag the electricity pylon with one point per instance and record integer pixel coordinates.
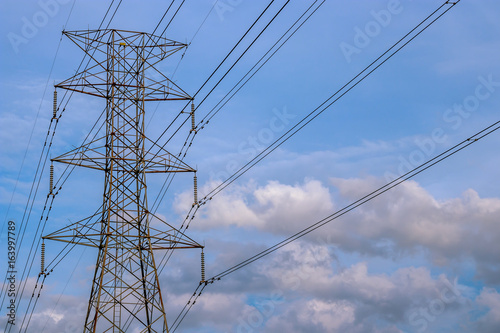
(125, 293)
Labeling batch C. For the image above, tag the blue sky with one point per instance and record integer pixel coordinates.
(420, 258)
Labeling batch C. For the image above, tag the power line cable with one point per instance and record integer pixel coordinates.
(168, 181)
(220, 80)
(329, 101)
(217, 68)
(170, 177)
(2, 293)
(210, 115)
(239, 58)
(42, 224)
(182, 57)
(372, 195)
(40, 175)
(34, 125)
(218, 189)
(200, 125)
(62, 292)
(368, 197)
(63, 110)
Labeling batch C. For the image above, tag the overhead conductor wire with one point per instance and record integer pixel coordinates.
(169, 179)
(207, 80)
(368, 197)
(331, 100)
(32, 199)
(360, 76)
(192, 212)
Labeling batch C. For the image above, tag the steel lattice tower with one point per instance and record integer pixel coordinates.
(125, 293)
